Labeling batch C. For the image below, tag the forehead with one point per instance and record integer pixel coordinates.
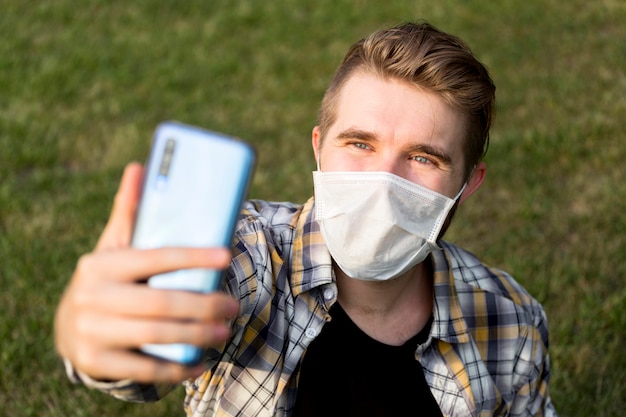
(398, 110)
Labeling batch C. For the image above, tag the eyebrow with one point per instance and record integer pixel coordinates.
(367, 136)
(438, 153)
(358, 134)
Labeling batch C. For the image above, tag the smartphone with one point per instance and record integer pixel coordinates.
(194, 185)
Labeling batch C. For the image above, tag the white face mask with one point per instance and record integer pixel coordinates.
(377, 225)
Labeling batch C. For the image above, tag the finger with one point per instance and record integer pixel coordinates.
(124, 364)
(118, 230)
(113, 332)
(160, 304)
(131, 265)
(178, 305)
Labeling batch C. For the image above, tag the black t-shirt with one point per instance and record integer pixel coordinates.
(347, 373)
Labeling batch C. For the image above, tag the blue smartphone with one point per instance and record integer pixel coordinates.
(194, 185)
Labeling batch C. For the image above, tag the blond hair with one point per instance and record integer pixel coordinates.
(426, 57)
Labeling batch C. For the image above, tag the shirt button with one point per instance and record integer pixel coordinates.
(310, 332)
(329, 294)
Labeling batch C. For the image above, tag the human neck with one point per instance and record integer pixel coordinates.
(390, 311)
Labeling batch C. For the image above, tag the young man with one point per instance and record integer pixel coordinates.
(346, 305)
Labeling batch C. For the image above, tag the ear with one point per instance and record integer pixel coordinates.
(315, 141)
(474, 182)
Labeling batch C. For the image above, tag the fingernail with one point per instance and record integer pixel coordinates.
(221, 332)
(232, 310)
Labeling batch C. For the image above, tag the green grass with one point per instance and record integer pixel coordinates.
(82, 86)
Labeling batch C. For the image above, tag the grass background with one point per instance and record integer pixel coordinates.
(83, 84)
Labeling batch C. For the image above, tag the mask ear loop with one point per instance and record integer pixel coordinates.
(458, 195)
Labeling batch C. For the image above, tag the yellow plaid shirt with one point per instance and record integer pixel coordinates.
(487, 354)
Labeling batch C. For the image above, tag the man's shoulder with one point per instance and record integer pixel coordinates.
(266, 225)
(271, 213)
(486, 292)
(472, 275)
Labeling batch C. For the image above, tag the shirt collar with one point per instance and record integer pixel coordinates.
(311, 267)
(311, 264)
(449, 324)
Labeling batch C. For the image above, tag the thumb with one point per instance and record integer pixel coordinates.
(119, 228)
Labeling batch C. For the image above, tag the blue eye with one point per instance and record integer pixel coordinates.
(421, 159)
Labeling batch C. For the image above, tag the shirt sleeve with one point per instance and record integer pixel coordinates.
(532, 373)
(126, 390)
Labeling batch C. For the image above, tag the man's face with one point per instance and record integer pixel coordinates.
(392, 126)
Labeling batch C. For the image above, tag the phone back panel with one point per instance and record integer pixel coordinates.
(194, 185)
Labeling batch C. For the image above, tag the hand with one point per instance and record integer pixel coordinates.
(104, 315)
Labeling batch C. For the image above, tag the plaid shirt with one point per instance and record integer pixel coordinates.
(487, 353)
